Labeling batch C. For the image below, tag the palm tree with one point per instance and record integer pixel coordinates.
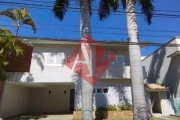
(19, 16)
(140, 109)
(59, 10)
(8, 42)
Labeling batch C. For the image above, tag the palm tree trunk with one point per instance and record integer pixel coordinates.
(17, 30)
(87, 89)
(140, 110)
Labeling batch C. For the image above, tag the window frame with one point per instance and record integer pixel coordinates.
(54, 59)
(116, 63)
(102, 89)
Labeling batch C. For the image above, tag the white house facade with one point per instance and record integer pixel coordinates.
(51, 86)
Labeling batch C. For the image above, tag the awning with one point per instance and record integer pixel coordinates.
(156, 87)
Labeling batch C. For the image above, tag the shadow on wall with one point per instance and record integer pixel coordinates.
(39, 58)
(173, 76)
(119, 71)
(155, 66)
(111, 102)
(16, 76)
(117, 96)
(144, 72)
(116, 72)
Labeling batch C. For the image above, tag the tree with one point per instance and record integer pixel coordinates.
(7, 47)
(8, 41)
(59, 10)
(20, 17)
(140, 109)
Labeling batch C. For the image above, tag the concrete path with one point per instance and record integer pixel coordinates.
(165, 118)
(42, 117)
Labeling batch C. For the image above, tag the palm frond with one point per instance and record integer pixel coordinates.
(17, 13)
(20, 16)
(24, 12)
(29, 21)
(123, 2)
(90, 6)
(104, 9)
(9, 13)
(39, 59)
(60, 8)
(147, 9)
(106, 6)
(114, 4)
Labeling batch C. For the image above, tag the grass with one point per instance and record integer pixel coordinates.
(174, 118)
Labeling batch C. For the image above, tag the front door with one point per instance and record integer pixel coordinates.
(155, 102)
(71, 99)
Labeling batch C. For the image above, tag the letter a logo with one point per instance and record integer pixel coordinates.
(87, 60)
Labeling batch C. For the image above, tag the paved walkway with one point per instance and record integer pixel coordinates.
(165, 118)
(42, 117)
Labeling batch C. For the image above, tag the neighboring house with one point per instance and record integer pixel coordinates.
(163, 67)
(52, 87)
(142, 57)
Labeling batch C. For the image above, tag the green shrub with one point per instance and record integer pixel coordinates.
(125, 107)
(111, 108)
(107, 108)
(78, 109)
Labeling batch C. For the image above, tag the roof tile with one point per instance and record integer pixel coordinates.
(156, 86)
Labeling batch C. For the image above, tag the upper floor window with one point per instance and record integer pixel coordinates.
(54, 59)
(118, 61)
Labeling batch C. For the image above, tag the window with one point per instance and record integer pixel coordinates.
(118, 61)
(54, 59)
(100, 90)
(105, 90)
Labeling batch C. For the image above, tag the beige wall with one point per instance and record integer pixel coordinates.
(20, 99)
(15, 101)
(56, 101)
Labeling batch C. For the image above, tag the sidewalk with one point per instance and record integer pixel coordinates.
(42, 117)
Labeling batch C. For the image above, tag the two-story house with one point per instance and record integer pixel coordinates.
(51, 86)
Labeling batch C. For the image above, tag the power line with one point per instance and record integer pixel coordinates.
(123, 13)
(95, 6)
(113, 28)
(102, 41)
(106, 33)
(38, 5)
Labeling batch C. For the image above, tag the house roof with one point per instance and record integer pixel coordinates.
(164, 45)
(156, 87)
(38, 40)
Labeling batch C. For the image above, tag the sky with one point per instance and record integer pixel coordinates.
(165, 23)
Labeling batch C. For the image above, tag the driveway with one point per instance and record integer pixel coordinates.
(38, 116)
